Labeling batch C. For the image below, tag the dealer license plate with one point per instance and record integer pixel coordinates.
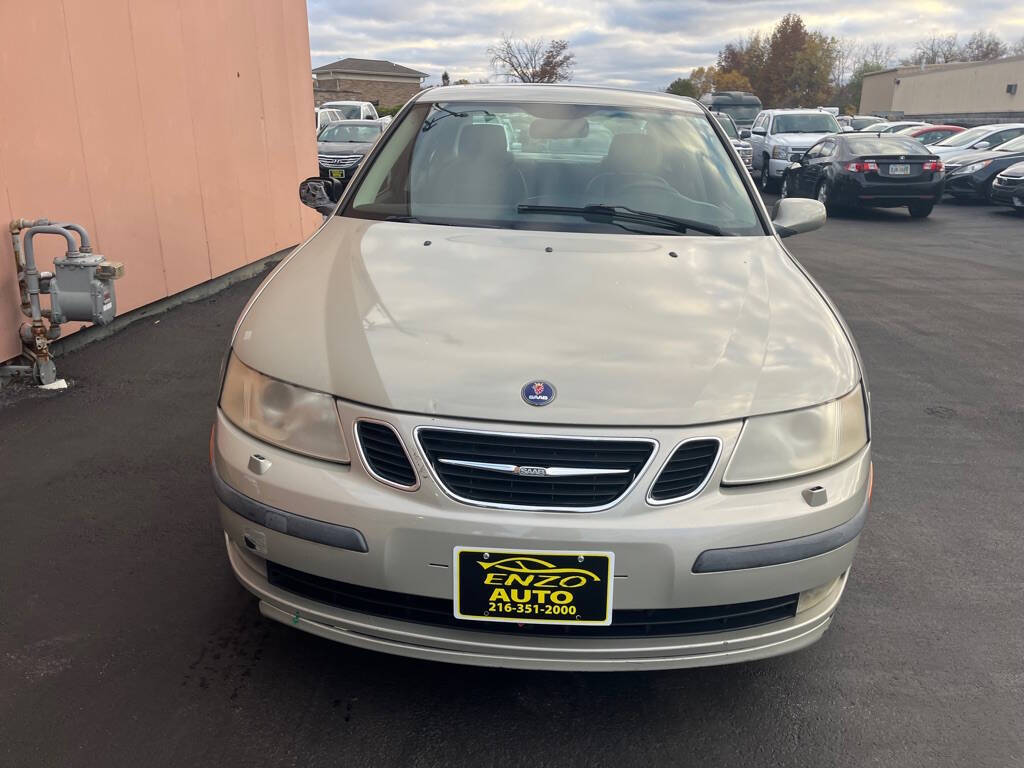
(337, 173)
(899, 169)
(538, 587)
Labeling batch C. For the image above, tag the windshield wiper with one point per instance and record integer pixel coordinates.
(621, 212)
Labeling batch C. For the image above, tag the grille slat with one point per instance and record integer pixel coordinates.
(438, 612)
(488, 487)
(382, 450)
(685, 472)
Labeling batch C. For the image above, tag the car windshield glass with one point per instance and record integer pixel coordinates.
(348, 112)
(965, 137)
(728, 126)
(1014, 145)
(742, 113)
(350, 133)
(886, 146)
(508, 165)
(817, 123)
(862, 122)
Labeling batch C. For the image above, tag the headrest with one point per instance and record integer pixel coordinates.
(483, 139)
(633, 153)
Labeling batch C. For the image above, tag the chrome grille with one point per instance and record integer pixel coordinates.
(534, 472)
(339, 161)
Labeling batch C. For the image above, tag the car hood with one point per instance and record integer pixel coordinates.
(799, 139)
(1015, 171)
(953, 153)
(455, 321)
(342, 148)
(976, 156)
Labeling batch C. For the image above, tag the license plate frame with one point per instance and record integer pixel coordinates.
(899, 169)
(589, 583)
(337, 173)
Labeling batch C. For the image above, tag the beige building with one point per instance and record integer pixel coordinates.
(380, 82)
(175, 135)
(969, 93)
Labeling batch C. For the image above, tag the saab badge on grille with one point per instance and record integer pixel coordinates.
(538, 392)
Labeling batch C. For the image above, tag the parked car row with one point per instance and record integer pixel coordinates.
(809, 153)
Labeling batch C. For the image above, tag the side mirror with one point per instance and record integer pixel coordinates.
(759, 131)
(320, 194)
(794, 215)
(745, 134)
(982, 145)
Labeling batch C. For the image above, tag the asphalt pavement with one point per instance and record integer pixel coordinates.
(125, 640)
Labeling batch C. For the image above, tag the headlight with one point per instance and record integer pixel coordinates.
(281, 414)
(974, 167)
(782, 445)
(780, 153)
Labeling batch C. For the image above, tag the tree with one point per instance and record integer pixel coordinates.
(681, 87)
(445, 79)
(937, 49)
(731, 81)
(1018, 48)
(461, 81)
(703, 79)
(867, 58)
(982, 46)
(531, 61)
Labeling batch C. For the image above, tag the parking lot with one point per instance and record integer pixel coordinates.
(125, 640)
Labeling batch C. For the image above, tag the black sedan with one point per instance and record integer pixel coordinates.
(1008, 188)
(341, 146)
(851, 170)
(971, 176)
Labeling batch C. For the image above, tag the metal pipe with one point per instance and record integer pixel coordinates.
(83, 236)
(38, 331)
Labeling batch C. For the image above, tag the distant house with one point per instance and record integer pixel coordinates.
(383, 83)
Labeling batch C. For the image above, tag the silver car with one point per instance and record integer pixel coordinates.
(569, 405)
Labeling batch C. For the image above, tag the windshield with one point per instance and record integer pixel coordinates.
(347, 111)
(364, 134)
(741, 113)
(508, 164)
(859, 123)
(964, 137)
(728, 126)
(886, 146)
(821, 122)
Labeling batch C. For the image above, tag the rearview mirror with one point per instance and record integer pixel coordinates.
(982, 145)
(320, 194)
(795, 215)
(745, 134)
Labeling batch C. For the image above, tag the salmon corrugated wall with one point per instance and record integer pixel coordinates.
(175, 131)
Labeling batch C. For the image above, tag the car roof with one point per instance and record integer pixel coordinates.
(560, 93)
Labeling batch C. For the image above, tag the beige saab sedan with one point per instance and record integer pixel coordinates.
(546, 390)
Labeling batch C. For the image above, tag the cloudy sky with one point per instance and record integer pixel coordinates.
(634, 43)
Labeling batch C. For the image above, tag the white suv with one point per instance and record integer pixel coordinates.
(781, 136)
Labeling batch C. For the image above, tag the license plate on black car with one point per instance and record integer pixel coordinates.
(533, 587)
(337, 173)
(899, 169)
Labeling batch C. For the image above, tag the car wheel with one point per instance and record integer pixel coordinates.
(920, 210)
(766, 179)
(823, 196)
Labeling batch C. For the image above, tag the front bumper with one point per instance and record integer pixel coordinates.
(1005, 195)
(968, 186)
(408, 539)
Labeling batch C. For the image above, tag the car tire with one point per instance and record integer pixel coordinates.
(920, 210)
(824, 197)
(767, 185)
